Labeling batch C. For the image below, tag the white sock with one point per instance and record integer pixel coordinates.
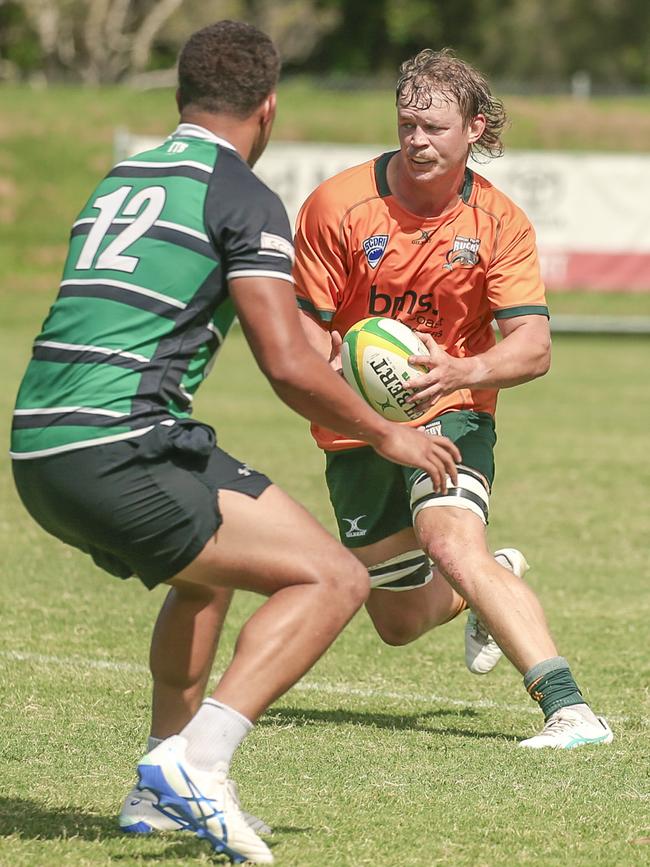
(153, 742)
(213, 735)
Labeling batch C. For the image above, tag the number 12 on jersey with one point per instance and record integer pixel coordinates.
(117, 207)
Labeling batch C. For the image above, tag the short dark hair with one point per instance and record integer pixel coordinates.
(441, 71)
(228, 67)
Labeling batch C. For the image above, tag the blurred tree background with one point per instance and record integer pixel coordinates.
(542, 45)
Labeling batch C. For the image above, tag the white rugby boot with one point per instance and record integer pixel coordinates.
(567, 729)
(481, 650)
(201, 799)
(139, 815)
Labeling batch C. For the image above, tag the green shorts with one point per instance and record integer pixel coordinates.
(371, 496)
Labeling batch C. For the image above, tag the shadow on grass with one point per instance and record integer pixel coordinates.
(33, 821)
(397, 722)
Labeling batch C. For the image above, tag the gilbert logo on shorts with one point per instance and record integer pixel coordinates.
(374, 248)
(464, 253)
(354, 529)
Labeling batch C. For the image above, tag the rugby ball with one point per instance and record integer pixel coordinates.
(374, 356)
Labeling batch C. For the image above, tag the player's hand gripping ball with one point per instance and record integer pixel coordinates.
(374, 356)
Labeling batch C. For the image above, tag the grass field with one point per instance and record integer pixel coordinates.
(382, 756)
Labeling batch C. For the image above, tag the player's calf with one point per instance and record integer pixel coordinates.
(482, 652)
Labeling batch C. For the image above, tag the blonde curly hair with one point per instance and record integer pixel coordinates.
(442, 72)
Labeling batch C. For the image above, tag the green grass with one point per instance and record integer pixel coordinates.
(392, 756)
(599, 304)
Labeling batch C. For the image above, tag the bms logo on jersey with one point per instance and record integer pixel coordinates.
(374, 248)
(464, 253)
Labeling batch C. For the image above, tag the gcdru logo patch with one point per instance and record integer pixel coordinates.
(374, 248)
(464, 252)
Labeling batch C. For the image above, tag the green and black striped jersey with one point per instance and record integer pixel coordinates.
(143, 305)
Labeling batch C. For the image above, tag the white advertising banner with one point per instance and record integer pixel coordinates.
(591, 212)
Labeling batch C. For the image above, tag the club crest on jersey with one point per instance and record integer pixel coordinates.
(464, 253)
(374, 248)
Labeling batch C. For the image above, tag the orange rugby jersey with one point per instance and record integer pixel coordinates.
(359, 253)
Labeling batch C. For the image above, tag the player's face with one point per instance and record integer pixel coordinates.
(435, 141)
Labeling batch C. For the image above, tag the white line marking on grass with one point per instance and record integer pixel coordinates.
(342, 689)
(74, 661)
(367, 692)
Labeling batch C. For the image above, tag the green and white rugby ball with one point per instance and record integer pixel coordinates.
(374, 356)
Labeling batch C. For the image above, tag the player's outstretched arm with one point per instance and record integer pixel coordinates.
(303, 379)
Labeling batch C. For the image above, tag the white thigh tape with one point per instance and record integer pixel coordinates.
(470, 493)
(404, 572)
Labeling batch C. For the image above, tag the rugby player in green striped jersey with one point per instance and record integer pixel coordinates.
(170, 246)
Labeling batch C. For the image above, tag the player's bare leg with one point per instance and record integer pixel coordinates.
(271, 546)
(274, 547)
(183, 647)
(509, 608)
(455, 538)
(403, 616)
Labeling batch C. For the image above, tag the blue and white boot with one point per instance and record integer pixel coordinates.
(200, 801)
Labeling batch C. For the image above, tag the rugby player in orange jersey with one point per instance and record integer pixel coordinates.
(416, 236)
(460, 254)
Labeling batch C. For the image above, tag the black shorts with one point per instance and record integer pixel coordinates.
(144, 506)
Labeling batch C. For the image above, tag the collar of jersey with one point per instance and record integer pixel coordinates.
(384, 190)
(193, 130)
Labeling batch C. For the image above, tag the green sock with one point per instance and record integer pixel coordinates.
(551, 684)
